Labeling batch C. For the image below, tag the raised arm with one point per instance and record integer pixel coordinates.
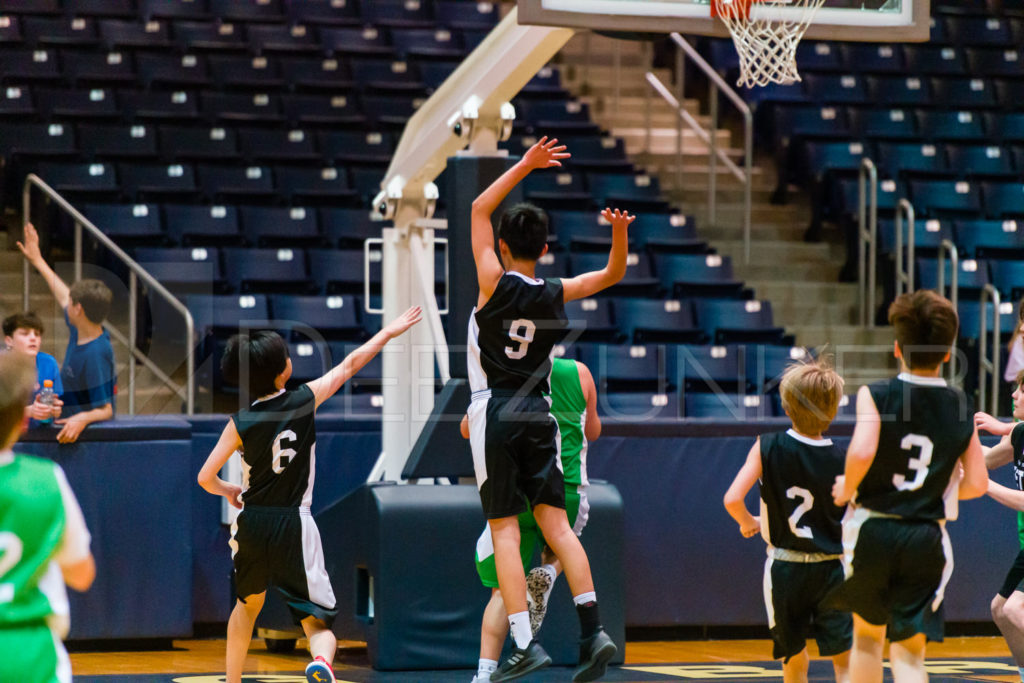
(863, 446)
(1006, 496)
(545, 154)
(998, 455)
(592, 425)
(975, 479)
(209, 475)
(735, 497)
(987, 423)
(30, 248)
(326, 386)
(588, 284)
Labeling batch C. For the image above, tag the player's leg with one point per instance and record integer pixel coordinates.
(493, 631)
(833, 629)
(794, 669)
(841, 666)
(906, 657)
(540, 581)
(322, 646)
(240, 624)
(1008, 611)
(866, 655)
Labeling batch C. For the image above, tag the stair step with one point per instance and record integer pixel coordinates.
(804, 293)
(663, 140)
(789, 314)
(844, 336)
(732, 230)
(779, 251)
(760, 270)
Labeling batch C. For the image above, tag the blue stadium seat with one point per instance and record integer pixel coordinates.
(951, 125)
(366, 182)
(765, 364)
(558, 118)
(209, 36)
(227, 314)
(128, 224)
(873, 57)
(266, 270)
(353, 146)
(79, 30)
(559, 189)
(390, 112)
(995, 61)
(309, 185)
(340, 271)
(845, 204)
(970, 318)
(1006, 126)
(276, 226)
(173, 9)
(663, 232)
(38, 140)
(935, 59)
(814, 56)
(696, 275)
(636, 193)
(100, 68)
(990, 239)
(428, 42)
(310, 360)
(242, 107)
(144, 182)
(638, 406)
(901, 90)
(367, 380)
(928, 234)
(546, 83)
(592, 320)
(1008, 278)
(231, 182)
(387, 75)
(152, 34)
(398, 13)
(281, 38)
(940, 198)
(972, 275)
(638, 281)
(726, 321)
(185, 269)
(797, 121)
(202, 225)
(245, 72)
(654, 321)
(348, 228)
(95, 181)
(94, 103)
(118, 141)
(709, 369)
(330, 317)
(330, 75)
(1003, 199)
(323, 110)
(723, 407)
(892, 124)
(463, 15)
(323, 12)
(628, 368)
(248, 10)
(435, 72)
(981, 160)
(552, 265)
(362, 40)
(579, 230)
(190, 143)
(171, 70)
(981, 30)
(965, 93)
(896, 158)
(821, 158)
(353, 406)
(177, 106)
(836, 89)
(295, 145)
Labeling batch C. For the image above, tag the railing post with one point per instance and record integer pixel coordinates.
(866, 262)
(617, 57)
(748, 183)
(905, 271)
(712, 157)
(78, 251)
(649, 124)
(954, 294)
(133, 302)
(991, 365)
(26, 213)
(586, 61)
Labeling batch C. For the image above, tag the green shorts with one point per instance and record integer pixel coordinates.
(577, 509)
(33, 654)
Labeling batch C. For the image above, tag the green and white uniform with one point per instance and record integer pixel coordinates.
(569, 408)
(41, 529)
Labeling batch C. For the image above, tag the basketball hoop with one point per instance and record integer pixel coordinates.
(766, 38)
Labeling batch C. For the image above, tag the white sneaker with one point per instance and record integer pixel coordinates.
(538, 590)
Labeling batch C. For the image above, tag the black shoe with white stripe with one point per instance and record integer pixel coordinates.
(595, 653)
(522, 662)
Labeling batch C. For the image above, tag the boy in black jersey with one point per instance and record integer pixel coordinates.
(914, 451)
(274, 539)
(799, 521)
(1008, 604)
(517, 321)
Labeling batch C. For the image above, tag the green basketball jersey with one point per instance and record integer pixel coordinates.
(32, 524)
(569, 408)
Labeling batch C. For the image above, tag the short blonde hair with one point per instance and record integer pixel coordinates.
(17, 382)
(811, 392)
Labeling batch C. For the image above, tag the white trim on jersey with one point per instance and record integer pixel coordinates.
(922, 381)
(477, 413)
(558, 433)
(947, 570)
(477, 376)
(583, 515)
(765, 523)
(851, 532)
(484, 544)
(74, 546)
(268, 397)
(318, 584)
(808, 440)
(51, 585)
(307, 496)
(63, 661)
(6, 457)
(525, 278)
(769, 604)
(232, 542)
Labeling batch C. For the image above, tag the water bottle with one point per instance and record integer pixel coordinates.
(46, 397)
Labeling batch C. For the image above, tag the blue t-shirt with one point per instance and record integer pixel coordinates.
(88, 373)
(47, 368)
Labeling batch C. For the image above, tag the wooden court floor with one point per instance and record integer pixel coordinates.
(201, 661)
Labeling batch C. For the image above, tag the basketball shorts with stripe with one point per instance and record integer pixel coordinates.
(1014, 577)
(281, 547)
(794, 597)
(896, 575)
(516, 454)
(32, 653)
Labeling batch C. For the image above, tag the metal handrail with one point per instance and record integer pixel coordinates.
(136, 272)
(954, 294)
(904, 266)
(987, 366)
(867, 262)
(716, 85)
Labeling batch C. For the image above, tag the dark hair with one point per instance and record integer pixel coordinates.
(252, 361)
(926, 324)
(27, 320)
(524, 227)
(95, 298)
(17, 382)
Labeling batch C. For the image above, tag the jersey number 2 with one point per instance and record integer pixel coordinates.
(918, 465)
(794, 492)
(521, 331)
(10, 555)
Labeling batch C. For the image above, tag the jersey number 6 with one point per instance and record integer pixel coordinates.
(521, 331)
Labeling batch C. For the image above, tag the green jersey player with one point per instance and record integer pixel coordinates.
(43, 544)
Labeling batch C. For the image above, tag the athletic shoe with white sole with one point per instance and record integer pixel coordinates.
(595, 653)
(319, 671)
(538, 590)
(522, 662)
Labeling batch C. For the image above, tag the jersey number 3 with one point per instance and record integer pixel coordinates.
(10, 555)
(918, 465)
(522, 331)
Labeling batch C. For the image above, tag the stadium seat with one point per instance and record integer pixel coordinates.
(967, 93)
(428, 42)
(144, 182)
(628, 368)
(184, 269)
(187, 143)
(323, 110)
(94, 103)
(635, 193)
(951, 125)
(259, 108)
(884, 123)
(398, 13)
(638, 406)
(899, 158)
(765, 363)
(77, 31)
(37, 140)
(330, 75)
(310, 360)
(171, 70)
(348, 228)
(302, 185)
(248, 10)
(901, 90)
(245, 73)
(295, 145)
(100, 68)
(118, 141)
(945, 198)
(724, 407)
(463, 15)
(312, 317)
(203, 225)
(981, 30)
(174, 9)
(995, 61)
(358, 147)
(990, 239)
(95, 181)
(972, 276)
(981, 160)
(1003, 199)
(552, 265)
(696, 275)
(208, 36)
(652, 321)
(224, 183)
(175, 106)
(815, 56)
(592, 320)
(387, 75)
(873, 57)
(340, 271)
(323, 12)
(227, 314)
(266, 270)
(128, 224)
(280, 227)
(1008, 278)
(281, 38)
(935, 59)
(836, 88)
(27, 66)
(928, 234)
(638, 281)
(727, 321)
(370, 378)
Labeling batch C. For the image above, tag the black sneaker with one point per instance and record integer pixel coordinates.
(522, 662)
(595, 653)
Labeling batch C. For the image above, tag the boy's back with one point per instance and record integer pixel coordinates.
(512, 335)
(797, 474)
(924, 431)
(278, 449)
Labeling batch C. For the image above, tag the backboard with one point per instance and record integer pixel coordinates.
(854, 20)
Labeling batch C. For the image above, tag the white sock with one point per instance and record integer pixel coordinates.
(584, 598)
(485, 669)
(520, 626)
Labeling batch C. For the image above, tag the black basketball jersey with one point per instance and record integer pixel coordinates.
(512, 335)
(797, 474)
(278, 449)
(1017, 443)
(925, 429)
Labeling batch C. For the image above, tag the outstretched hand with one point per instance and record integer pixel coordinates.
(545, 154)
(30, 247)
(617, 218)
(404, 322)
(986, 423)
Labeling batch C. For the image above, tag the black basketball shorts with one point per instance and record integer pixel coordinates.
(794, 593)
(516, 453)
(896, 574)
(281, 547)
(1014, 577)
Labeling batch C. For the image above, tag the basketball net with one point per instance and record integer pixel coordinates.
(766, 40)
